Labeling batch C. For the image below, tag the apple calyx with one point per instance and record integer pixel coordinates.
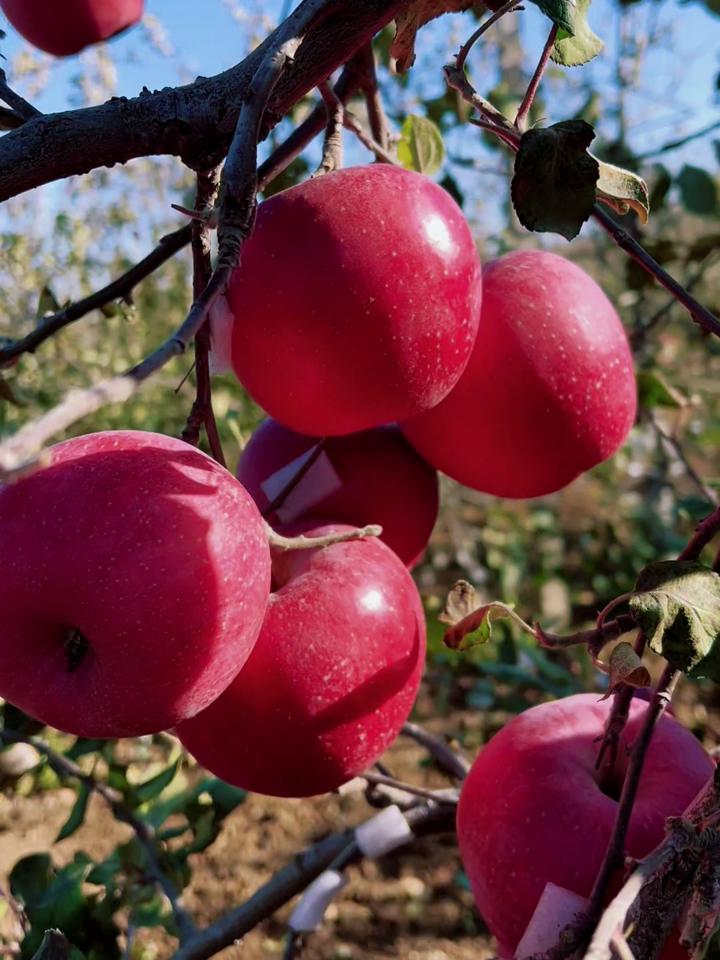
(76, 646)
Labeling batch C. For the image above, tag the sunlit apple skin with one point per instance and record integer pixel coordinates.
(156, 554)
(356, 303)
(331, 680)
(531, 811)
(64, 27)
(370, 477)
(549, 391)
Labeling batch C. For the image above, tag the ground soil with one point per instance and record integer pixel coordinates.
(408, 905)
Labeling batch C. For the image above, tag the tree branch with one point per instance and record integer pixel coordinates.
(292, 879)
(446, 758)
(195, 122)
(19, 105)
(67, 768)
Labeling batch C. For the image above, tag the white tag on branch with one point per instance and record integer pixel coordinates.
(320, 482)
(308, 914)
(383, 833)
(556, 908)
(221, 324)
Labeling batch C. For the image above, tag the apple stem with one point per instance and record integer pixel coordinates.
(521, 118)
(332, 155)
(302, 542)
(292, 483)
(66, 768)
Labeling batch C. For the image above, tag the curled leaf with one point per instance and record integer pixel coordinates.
(625, 666)
(622, 190)
(471, 621)
(677, 604)
(461, 601)
(413, 15)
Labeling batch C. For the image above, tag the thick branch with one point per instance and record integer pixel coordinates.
(195, 122)
(295, 877)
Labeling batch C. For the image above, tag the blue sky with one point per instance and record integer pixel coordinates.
(206, 39)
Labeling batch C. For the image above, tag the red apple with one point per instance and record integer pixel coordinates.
(64, 27)
(369, 477)
(549, 390)
(332, 677)
(356, 303)
(532, 811)
(136, 572)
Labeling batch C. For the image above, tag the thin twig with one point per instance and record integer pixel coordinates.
(674, 447)
(381, 153)
(439, 796)
(521, 118)
(700, 314)
(446, 758)
(25, 110)
(377, 118)
(202, 413)
(705, 531)
(119, 289)
(144, 833)
(508, 7)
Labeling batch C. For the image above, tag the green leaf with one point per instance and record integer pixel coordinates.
(421, 146)
(55, 946)
(698, 190)
(677, 604)
(155, 785)
(553, 189)
(560, 12)
(623, 190)
(77, 814)
(82, 747)
(579, 45)
(655, 391)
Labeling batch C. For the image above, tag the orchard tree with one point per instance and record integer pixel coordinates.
(262, 622)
